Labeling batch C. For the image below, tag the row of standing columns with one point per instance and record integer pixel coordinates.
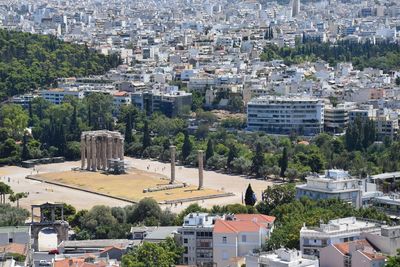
(100, 146)
(200, 158)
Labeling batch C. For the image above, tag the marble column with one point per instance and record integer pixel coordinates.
(172, 150)
(83, 149)
(98, 151)
(109, 149)
(200, 154)
(114, 148)
(104, 153)
(122, 149)
(88, 152)
(94, 154)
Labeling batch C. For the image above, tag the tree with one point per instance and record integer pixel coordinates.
(283, 162)
(258, 161)
(209, 150)
(16, 197)
(186, 147)
(150, 255)
(5, 189)
(14, 119)
(128, 129)
(147, 211)
(146, 135)
(12, 216)
(25, 151)
(232, 154)
(250, 197)
(275, 196)
(394, 261)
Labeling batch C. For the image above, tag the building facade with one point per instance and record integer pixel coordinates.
(336, 184)
(196, 237)
(313, 239)
(284, 115)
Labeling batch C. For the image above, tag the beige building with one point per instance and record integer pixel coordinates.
(235, 237)
(359, 253)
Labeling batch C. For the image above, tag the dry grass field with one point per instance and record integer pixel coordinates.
(129, 185)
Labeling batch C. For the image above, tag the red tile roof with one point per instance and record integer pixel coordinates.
(344, 248)
(260, 218)
(222, 226)
(120, 93)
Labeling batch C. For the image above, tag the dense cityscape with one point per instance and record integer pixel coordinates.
(228, 133)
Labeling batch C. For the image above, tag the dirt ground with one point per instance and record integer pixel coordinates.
(129, 185)
(42, 192)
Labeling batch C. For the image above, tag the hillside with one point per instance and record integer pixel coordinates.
(29, 61)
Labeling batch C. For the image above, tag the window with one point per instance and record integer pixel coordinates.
(185, 240)
(10, 240)
(224, 239)
(224, 255)
(244, 238)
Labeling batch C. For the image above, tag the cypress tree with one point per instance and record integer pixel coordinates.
(232, 154)
(258, 161)
(25, 151)
(30, 124)
(283, 162)
(250, 196)
(146, 135)
(187, 147)
(209, 150)
(128, 129)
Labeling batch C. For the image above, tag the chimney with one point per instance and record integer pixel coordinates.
(200, 154)
(172, 150)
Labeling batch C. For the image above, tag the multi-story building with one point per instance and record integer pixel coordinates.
(336, 184)
(169, 103)
(121, 98)
(233, 238)
(284, 115)
(366, 112)
(387, 125)
(336, 118)
(281, 258)
(358, 253)
(196, 237)
(56, 95)
(23, 100)
(312, 239)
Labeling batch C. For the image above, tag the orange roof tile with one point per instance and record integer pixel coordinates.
(344, 247)
(120, 93)
(260, 218)
(222, 226)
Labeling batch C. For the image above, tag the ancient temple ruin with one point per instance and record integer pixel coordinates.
(101, 150)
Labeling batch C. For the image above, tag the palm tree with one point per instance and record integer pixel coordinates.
(16, 197)
(4, 190)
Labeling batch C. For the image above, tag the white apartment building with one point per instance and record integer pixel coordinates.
(281, 258)
(56, 95)
(234, 238)
(336, 184)
(312, 239)
(196, 236)
(284, 115)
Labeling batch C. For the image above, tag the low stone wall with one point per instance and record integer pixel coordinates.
(164, 187)
(32, 162)
(175, 201)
